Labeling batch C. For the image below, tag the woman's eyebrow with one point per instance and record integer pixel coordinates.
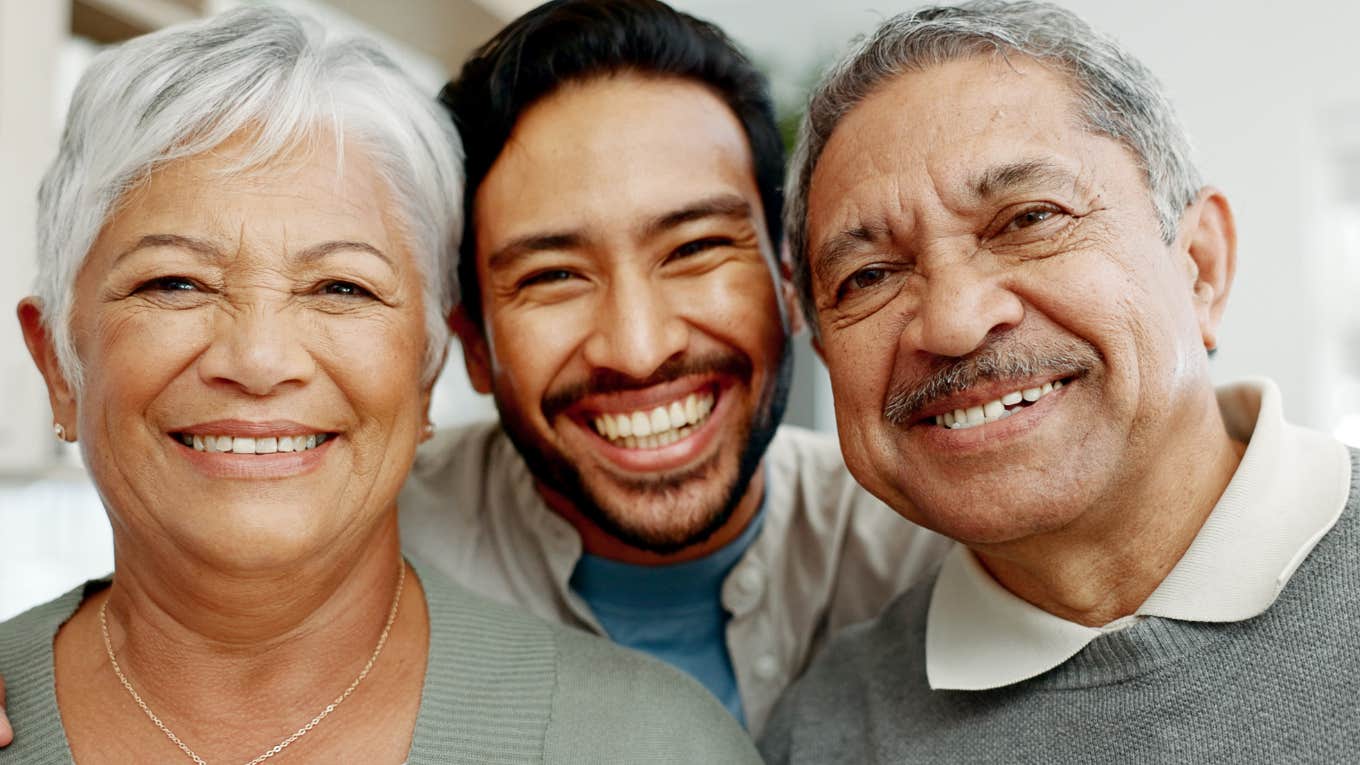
(201, 246)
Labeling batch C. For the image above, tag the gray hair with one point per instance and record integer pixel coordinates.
(1118, 97)
(185, 90)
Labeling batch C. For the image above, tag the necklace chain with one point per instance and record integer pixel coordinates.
(279, 747)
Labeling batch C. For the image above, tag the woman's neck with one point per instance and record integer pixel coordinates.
(228, 660)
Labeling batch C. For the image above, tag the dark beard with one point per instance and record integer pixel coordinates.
(553, 469)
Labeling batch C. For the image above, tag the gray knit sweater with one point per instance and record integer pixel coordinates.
(1282, 687)
(501, 686)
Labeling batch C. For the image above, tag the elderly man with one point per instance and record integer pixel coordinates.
(623, 301)
(1014, 272)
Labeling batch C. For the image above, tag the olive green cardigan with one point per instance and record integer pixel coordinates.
(501, 687)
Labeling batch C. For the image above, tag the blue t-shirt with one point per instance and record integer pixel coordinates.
(673, 612)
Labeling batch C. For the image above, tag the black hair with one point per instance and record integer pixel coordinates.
(577, 40)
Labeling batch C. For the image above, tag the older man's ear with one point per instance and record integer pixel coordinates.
(1208, 237)
(44, 352)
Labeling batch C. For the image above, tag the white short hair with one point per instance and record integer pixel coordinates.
(184, 90)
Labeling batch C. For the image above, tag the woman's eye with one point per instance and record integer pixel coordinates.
(345, 289)
(168, 284)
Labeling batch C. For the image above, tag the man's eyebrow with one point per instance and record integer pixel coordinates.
(525, 245)
(201, 246)
(841, 246)
(318, 251)
(1029, 172)
(718, 206)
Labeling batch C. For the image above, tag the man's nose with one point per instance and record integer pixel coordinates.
(959, 304)
(637, 328)
(257, 350)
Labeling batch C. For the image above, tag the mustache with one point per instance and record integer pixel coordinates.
(602, 381)
(1001, 360)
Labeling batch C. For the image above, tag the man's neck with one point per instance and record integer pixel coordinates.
(1105, 565)
(597, 541)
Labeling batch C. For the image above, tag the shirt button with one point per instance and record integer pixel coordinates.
(750, 581)
(766, 667)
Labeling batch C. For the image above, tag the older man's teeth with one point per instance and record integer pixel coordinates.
(998, 409)
(657, 427)
(238, 445)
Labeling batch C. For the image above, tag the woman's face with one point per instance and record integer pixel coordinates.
(253, 348)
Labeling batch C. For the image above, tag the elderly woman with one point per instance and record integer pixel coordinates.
(245, 246)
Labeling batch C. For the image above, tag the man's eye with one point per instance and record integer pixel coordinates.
(168, 284)
(863, 279)
(1032, 217)
(344, 289)
(699, 245)
(551, 276)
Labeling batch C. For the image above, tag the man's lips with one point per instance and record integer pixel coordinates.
(984, 393)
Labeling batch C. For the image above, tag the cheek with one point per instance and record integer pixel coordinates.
(530, 346)
(139, 353)
(739, 307)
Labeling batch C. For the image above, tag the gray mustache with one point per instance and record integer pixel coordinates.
(1001, 360)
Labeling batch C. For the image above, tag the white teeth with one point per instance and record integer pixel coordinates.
(660, 420)
(996, 409)
(642, 425)
(240, 445)
(656, 427)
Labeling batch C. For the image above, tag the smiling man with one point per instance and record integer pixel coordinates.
(1014, 273)
(624, 304)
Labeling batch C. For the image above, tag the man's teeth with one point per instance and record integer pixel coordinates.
(997, 409)
(654, 428)
(238, 445)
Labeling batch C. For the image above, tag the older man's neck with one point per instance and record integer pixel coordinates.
(1106, 565)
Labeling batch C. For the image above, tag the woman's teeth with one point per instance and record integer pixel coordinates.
(654, 428)
(997, 409)
(238, 445)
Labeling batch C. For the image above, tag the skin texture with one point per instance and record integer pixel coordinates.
(245, 599)
(989, 243)
(623, 262)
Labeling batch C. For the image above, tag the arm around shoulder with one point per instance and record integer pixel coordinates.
(613, 705)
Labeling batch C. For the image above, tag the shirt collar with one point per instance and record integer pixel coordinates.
(1289, 489)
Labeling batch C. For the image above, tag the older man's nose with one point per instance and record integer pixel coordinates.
(958, 306)
(636, 329)
(258, 351)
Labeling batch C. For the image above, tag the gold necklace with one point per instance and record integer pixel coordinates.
(279, 747)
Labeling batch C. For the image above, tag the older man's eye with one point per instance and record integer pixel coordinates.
(1032, 217)
(862, 279)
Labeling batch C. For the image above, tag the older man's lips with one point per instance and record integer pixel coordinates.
(994, 410)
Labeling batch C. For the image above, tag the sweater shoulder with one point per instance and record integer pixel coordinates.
(612, 704)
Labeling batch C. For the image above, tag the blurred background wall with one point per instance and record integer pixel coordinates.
(1269, 92)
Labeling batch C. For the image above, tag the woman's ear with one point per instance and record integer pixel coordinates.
(60, 392)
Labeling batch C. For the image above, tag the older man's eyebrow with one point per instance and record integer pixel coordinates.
(1029, 173)
(718, 206)
(200, 246)
(840, 247)
(531, 243)
(319, 251)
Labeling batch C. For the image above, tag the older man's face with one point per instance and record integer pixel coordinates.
(1010, 341)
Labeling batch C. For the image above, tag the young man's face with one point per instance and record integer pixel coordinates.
(632, 331)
